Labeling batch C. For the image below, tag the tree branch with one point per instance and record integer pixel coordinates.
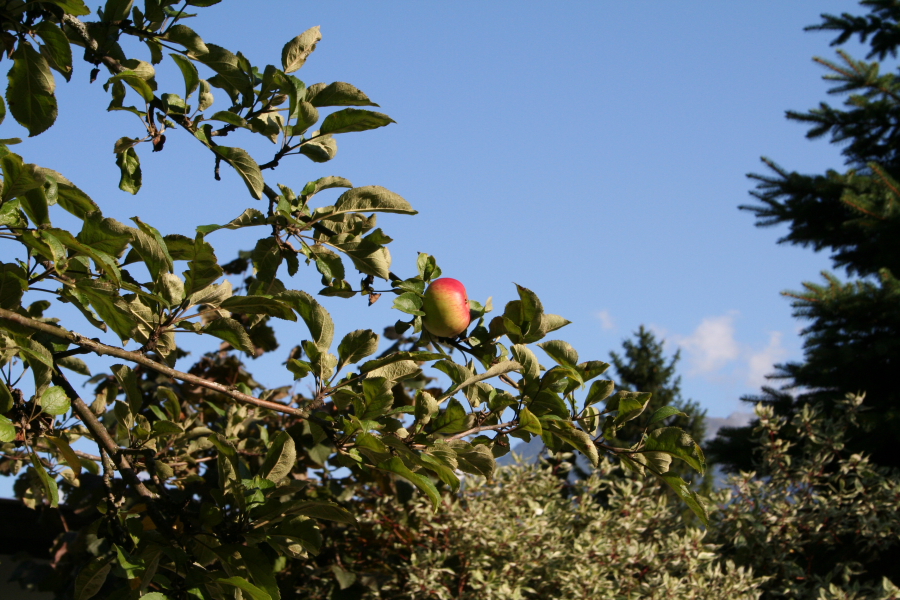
(104, 350)
(107, 444)
(91, 44)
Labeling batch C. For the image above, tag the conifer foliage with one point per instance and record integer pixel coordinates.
(852, 334)
(644, 366)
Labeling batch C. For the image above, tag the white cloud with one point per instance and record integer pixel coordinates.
(759, 364)
(712, 345)
(606, 320)
(713, 351)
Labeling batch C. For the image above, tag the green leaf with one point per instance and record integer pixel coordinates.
(317, 319)
(67, 453)
(116, 10)
(232, 332)
(54, 401)
(530, 306)
(674, 441)
(694, 501)
(375, 262)
(353, 119)
(664, 412)
(102, 260)
(229, 117)
(105, 234)
(372, 365)
(47, 482)
(357, 345)
(452, 419)
(6, 399)
(337, 94)
(259, 305)
(92, 577)
(325, 183)
(166, 427)
(561, 353)
(629, 404)
(18, 177)
(185, 36)
(212, 295)
(203, 267)
(189, 72)
(344, 578)
(395, 465)
(205, 97)
(426, 407)
(11, 215)
(528, 422)
(72, 199)
(599, 391)
(30, 91)
(325, 511)
(296, 51)
(658, 462)
(303, 531)
(171, 288)
(227, 67)
(474, 459)
(110, 307)
(577, 438)
(130, 171)
(13, 283)
(150, 245)
(136, 80)
(280, 458)
(73, 363)
(244, 585)
(75, 8)
(56, 48)
(396, 371)
(439, 467)
(548, 324)
(306, 116)
(7, 429)
(36, 205)
(321, 149)
(262, 570)
(498, 369)
(246, 167)
(372, 198)
(531, 368)
(409, 302)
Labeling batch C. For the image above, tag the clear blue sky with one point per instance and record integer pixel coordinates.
(594, 152)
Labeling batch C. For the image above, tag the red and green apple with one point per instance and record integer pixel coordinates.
(446, 308)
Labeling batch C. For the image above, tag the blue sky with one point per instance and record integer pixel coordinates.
(591, 151)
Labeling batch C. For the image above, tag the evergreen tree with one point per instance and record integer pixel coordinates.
(852, 340)
(645, 367)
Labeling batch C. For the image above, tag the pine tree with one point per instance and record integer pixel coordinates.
(852, 340)
(645, 367)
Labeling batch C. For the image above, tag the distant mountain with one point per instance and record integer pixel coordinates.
(735, 419)
(529, 451)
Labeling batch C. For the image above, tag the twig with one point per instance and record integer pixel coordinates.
(463, 434)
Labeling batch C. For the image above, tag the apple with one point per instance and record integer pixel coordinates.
(446, 308)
